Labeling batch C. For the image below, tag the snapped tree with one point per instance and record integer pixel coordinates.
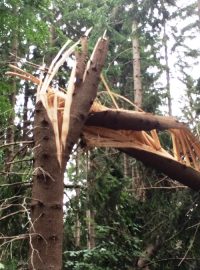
(61, 118)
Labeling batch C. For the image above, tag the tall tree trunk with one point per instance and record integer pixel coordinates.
(167, 69)
(138, 183)
(46, 230)
(10, 134)
(169, 99)
(25, 113)
(90, 215)
(137, 87)
(125, 165)
(138, 95)
(78, 223)
(90, 229)
(198, 3)
(77, 233)
(136, 67)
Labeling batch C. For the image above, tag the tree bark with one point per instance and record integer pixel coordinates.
(77, 233)
(136, 67)
(25, 112)
(175, 170)
(125, 120)
(46, 231)
(10, 133)
(90, 229)
(169, 99)
(84, 95)
(77, 223)
(167, 69)
(90, 215)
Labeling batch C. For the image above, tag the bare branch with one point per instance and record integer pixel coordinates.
(12, 214)
(15, 143)
(27, 183)
(190, 245)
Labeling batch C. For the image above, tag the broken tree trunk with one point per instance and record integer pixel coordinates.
(46, 233)
(174, 169)
(126, 120)
(181, 163)
(56, 130)
(85, 93)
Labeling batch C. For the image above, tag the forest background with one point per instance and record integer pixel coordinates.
(118, 213)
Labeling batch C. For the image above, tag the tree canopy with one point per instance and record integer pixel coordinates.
(118, 214)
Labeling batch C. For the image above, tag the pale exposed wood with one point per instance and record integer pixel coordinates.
(109, 91)
(151, 141)
(120, 139)
(57, 56)
(123, 98)
(67, 107)
(185, 155)
(194, 143)
(105, 127)
(23, 72)
(155, 137)
(191, 153)
(104, 137)
(56, 67)
(175, 148)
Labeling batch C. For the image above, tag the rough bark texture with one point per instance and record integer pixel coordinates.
(90, 214)
(138, 99)
(131, 121)
(85, 94)
(47, 198)
(167, 69)
(77, 233)
(46, 233)
(175, 170)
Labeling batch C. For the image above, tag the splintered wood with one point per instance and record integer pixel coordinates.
(186, 148)
(107, 127)
(58, 103)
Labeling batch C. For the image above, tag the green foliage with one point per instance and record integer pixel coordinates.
(191, 110)
(116, 232)
(123, 225)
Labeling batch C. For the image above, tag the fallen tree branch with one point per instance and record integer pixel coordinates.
(27, 183)
(149, 188)
(129, 120)
(15, 143)
(174, 169)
